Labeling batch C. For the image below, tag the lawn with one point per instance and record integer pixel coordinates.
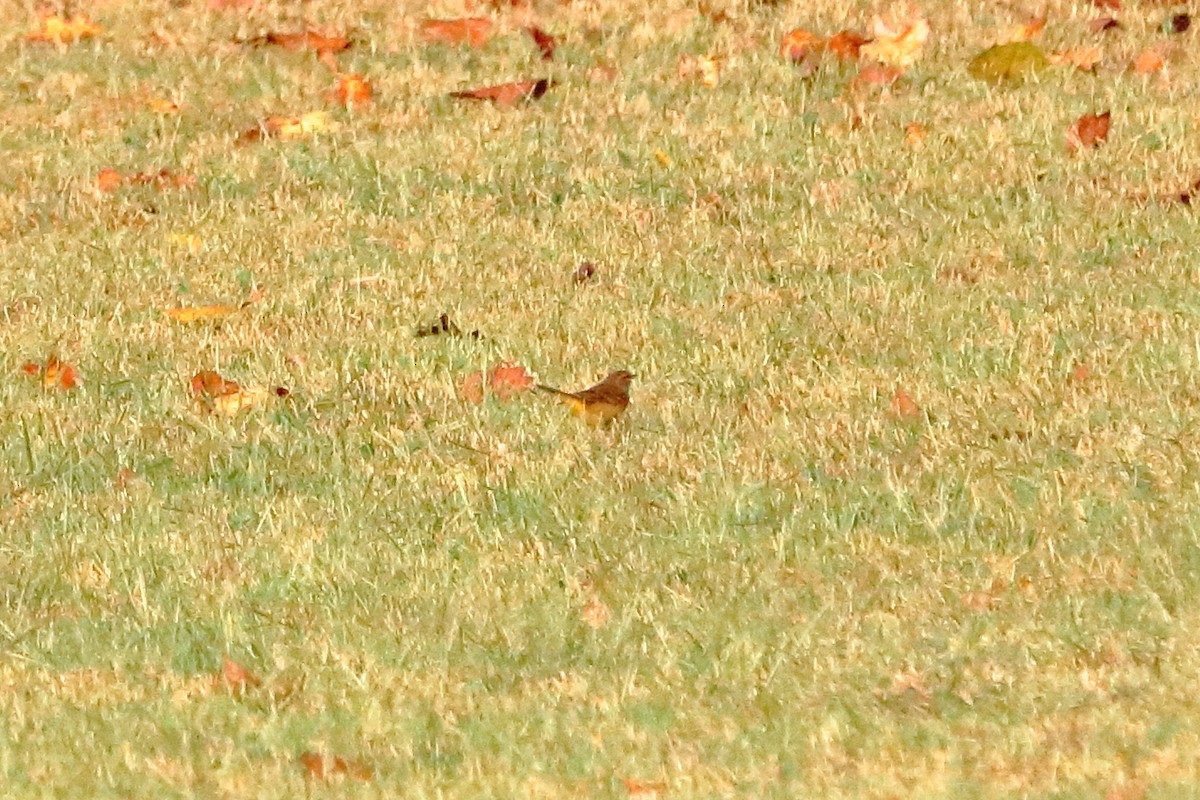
(905, 505)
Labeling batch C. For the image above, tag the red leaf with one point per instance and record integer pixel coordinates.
(545, 42)
(507, 380)
(1090, 130)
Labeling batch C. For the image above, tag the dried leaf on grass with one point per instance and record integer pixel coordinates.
(898, 44)
(236, 678)
(351, 90)
(1089, 131)
(58, 30)
(226, 398)
(304, 40)
(289, 128)
(326, 767)
(54, 374)
(546, 43)
(109, 180)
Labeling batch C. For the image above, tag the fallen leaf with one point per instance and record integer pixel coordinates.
(1028, 30)
(507, 94)
(306, 40)
(236, 678)
(1079, 374)
(507, 380)
(846, 45)
(800, 44)
(351, 90)
(1013, 61)
(290, 128)
(643, 790)
(445, 325)
(108, 180)
(1148, 61)
(595, 613)
(1181, 23)
(472, 31)
(161, 106)
(209, 384)
(61, 31)
(321, 767)
(471, 388)
(903, 407)
(224, 398)
(55, 374)
(584, 272)
(546, 43)
(1103, 25)
(1083, 58)
(898, 44)
(196, 313)
(877, 75)
(1112, 5)
(705, 69)
(1089, 131)
(914, 134)
(663, 158)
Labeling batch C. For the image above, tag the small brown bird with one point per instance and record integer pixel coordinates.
(599, 404)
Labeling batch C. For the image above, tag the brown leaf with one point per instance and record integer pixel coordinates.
(473, 31)
(1111, 5)
(507, 94)
(322, 767)
(903, 407)
(61, 31)
(846, 45)
(544, 41)
(208, 384)
(584, 272)
(507, 380)
(471, 388)
(237, 679)
(1181, 23)
(1103, 25)
(800, 44)
(1089, 131)
(306, 40)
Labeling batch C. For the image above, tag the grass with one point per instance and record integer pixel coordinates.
(761, 582)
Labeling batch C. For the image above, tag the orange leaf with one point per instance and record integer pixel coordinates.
(471, 388)
(319, 767)
(846, 45)
(1030, 29)
(914, 134)
(1090, 130)
(472, 31)
(352, 90)
(1148, 62)
(208, 384)
(59, 30)
(195, 313)
(108, 180)
(544, 41)
(643, 790)
(1079, 374)
(705, 69)
(903, 406)
(799, 44)
(898, 45)
(162, 106)
(59, 374)
(236, 677)
(507, 94)
(507, 379)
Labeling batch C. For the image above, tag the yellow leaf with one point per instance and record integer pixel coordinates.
(898, 45)
(199, 312)
(234, 403)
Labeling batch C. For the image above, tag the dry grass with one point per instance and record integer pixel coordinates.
(763, 582)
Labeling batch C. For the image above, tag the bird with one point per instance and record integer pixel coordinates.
(599, 404)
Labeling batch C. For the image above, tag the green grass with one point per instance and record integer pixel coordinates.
(760, 582)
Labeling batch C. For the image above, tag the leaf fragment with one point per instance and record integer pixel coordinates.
(507, 94)
(54, 374)
(304, 40)
(546, 43)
